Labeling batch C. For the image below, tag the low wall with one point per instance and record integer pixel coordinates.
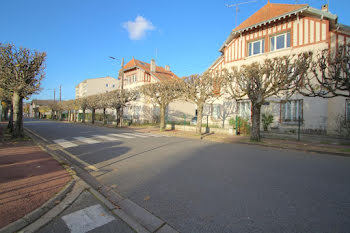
(191, 128)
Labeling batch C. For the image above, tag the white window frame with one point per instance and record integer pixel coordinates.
(291, 110)
(244, 109)
(251, 46)
(274, 47)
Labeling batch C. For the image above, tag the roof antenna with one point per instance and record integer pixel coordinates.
(236, 5)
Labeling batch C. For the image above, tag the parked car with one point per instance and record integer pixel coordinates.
(193, 121)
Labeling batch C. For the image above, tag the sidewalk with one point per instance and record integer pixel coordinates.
(323, 147)
(29, 177)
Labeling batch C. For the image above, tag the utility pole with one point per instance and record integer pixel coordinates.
(60, 93)
(122, 92)
(236, 5)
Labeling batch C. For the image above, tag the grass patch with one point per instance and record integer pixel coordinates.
(347, 150)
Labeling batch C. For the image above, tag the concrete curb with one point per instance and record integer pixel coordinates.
(36, 214)
(136, 217)
(79, 187)
(44, 208)
(296, 149)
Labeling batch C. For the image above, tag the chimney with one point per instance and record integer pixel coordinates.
(324, 7)
(153, 65)
(167, 68)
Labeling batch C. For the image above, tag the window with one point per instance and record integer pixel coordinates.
(244, 109)
(256, 47)
(134, 78)
(280, 41)
(215, 113)
(291, 110)
(113, 86)
(107, 85)
(347, 109)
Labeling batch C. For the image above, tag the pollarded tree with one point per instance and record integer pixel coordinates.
(329, 74)
(21, 72)
(118, 99)
(259, 81)
(200, 88)
(83, 104)
(92, 104)
(163, 93)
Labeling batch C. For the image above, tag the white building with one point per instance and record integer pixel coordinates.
(285, 29)
(94, 86)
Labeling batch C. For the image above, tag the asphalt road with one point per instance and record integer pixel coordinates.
(200, 186)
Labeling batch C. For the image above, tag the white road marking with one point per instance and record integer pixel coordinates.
(155, 135)
(86, 140)
(87, 219)
(106, 138)
(136, 135)
(120, 135)
(64, 143)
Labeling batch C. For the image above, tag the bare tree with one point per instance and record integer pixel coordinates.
(83, 104)
(259, 81)
(118, 99)
(227, 108)
(329, 74)
(163, 93)
(92, 104)
(200, 88)
(21, 73)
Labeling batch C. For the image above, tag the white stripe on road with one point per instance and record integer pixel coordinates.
(64, 143)
(106, 138)
(87, 219)
(86, 140)
(136, 135)
(120, 135)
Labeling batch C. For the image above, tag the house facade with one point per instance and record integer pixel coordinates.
(279, 30)
(138, 73)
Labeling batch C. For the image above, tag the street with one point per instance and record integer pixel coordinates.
(200, 186)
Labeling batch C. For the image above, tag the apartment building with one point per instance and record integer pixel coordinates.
(285, 29)
(138, 73)
(95, 86)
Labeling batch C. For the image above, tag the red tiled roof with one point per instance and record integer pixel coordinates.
(160, 73)
(269, 11)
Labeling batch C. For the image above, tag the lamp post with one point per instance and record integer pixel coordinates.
(122, 89)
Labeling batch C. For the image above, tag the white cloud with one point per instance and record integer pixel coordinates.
(137, 29)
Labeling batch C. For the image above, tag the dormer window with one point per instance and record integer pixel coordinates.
(280, 41)
(256, 47)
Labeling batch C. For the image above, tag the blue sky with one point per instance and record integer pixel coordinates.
(80, 35)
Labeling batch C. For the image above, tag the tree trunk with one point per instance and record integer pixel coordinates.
(10, 124)
(93, 116)
(255, 131)
(17, 115)
(199, 118)
(104, 116)
(83, 116)
(121, 116)
(162, 117)
(6, 111)
(118, 116)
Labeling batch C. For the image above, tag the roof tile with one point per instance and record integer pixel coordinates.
(269, 11)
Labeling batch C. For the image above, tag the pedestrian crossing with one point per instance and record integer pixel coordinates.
(76, 141)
